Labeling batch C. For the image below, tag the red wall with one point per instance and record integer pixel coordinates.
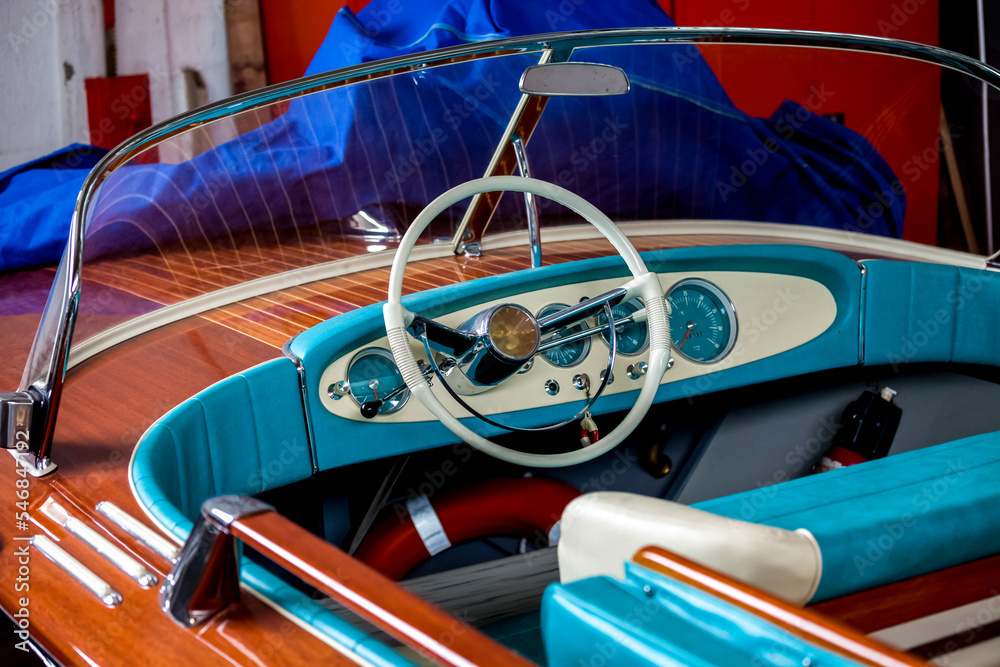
(294, 30)
(904, 129)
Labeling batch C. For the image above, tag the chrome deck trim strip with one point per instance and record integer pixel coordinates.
(77, 570)
(118, 558)
(138, 530)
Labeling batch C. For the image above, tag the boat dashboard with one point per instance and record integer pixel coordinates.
(719, 320)
(739, 316)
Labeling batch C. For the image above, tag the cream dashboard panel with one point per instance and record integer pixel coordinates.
(774, 312)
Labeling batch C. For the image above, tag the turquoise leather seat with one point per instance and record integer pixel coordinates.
(651, 620)
(244, 435)
(875, 523)
(889, 519)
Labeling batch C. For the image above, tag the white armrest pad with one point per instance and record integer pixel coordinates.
(600, 531)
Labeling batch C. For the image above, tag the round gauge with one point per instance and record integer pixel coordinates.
(631, 338)
(702, 321)
(372, 375)
(567, 354)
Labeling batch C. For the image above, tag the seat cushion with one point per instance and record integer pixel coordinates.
(600, 531)
(873, 524)
(889, 519)
(647, 619)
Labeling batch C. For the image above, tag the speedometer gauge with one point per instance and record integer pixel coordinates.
(372, 376)
(632, 338)
(702, 321)
(568, 354)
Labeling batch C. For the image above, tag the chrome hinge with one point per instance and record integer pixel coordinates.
(18, 412)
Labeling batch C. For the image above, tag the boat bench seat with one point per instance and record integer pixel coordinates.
(874, 524)
(889, 519)
(648, 619)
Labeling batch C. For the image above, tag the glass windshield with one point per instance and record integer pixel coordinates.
(852, 142)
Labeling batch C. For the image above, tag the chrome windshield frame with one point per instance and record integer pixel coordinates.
(46, 364)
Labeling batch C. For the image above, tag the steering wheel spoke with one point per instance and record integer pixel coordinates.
(440, 337)
(581, 311)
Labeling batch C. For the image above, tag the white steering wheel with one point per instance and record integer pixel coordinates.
(644, 285)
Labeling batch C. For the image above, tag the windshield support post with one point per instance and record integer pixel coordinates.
(469, 236)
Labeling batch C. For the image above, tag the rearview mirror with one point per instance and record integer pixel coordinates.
(574, 80)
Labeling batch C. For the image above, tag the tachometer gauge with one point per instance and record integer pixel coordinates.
(631, 338)
(372, 376)
(567, 354)
(702, 321)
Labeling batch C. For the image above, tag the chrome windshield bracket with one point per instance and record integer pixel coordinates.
(471, 249)
(530, 203)
(206, 578)
(19, 432)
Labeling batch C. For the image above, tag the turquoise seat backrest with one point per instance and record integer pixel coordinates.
(875, 523)
(649, 619)
(244, 435)
(920, 312)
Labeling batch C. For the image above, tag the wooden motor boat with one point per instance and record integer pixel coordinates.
(243, 436)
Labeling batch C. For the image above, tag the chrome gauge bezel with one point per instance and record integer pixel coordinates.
(586, 341)
(645, 343)
(731, 311)
(386, 409)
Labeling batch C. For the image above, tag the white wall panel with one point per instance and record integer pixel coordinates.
(47, 49)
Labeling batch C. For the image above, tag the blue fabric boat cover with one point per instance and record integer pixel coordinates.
(651, 620)
(677, 143)
(36, 204)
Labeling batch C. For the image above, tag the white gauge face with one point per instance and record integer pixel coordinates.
(702, 321)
